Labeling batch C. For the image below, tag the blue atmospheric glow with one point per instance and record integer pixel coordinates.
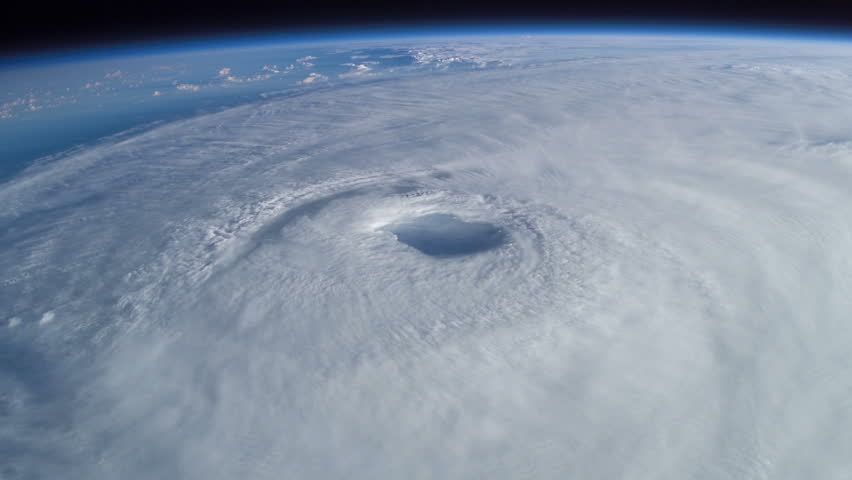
(314, 36)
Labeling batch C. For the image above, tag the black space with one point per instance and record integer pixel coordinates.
(31, 27)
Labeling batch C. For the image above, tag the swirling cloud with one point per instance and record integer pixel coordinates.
(653, 284)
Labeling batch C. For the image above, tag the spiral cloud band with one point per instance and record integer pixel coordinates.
(635, 264)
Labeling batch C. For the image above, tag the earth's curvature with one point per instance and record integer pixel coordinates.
(541, 256)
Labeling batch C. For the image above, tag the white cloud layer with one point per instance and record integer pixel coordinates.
(673, 302)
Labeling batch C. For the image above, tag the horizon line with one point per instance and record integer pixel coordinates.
(320, 34)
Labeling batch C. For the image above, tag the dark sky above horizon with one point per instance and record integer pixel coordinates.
(32, 27)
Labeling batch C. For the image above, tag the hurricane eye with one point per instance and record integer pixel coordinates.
(443, 235)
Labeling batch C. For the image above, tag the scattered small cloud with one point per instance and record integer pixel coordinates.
(157, 93)
(188, 87)
(306, 61)
(14, 322)
(115, 74)
(277, 69)
(258, 77)
(23, 104)
(357, 71)
(267, 72)
(47, 318)
(313, 78)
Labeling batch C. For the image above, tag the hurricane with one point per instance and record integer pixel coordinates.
(596, 257)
